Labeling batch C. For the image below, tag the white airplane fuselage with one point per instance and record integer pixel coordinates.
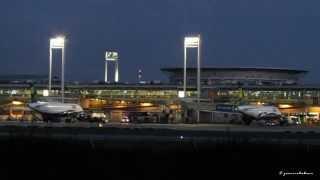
(260, 111)
(57, 108)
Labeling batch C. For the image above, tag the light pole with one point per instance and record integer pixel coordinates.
(116, 73)
(106, 71)
(112, 56)
(57, 43)
(193, 42)
(139, 75)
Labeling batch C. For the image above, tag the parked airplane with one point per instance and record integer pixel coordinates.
(267, 113)
(55, 111)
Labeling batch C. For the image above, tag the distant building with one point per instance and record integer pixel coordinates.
(23, 78)
(236, 76)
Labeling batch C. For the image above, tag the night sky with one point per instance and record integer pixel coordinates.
(149, 35)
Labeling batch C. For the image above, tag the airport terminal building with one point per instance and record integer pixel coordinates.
(236, 76)
(278, 86)
(282, 87)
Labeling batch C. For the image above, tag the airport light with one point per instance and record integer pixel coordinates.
(181, 94)
(112, 56)
(192, 42)
(45, 93)
(17, 102)
(284, 106)
(146, 104)
(57, 43)
(13, 92)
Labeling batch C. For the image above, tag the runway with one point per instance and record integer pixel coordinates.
(178, 127)
(151, 133)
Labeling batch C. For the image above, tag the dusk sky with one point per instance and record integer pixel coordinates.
(149, 35)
